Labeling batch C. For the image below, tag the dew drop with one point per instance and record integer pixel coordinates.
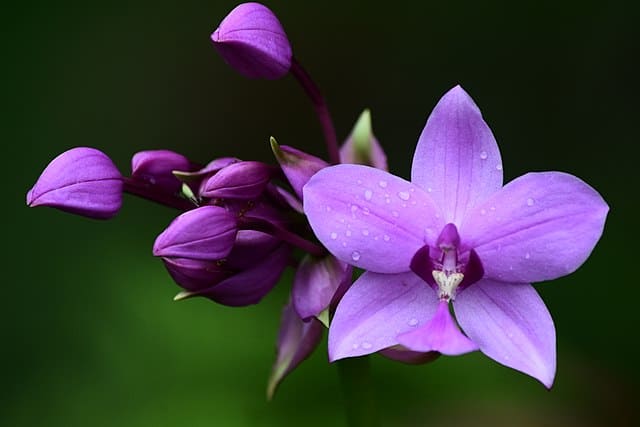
(484, 155)
(386, 238)
(355, 346)
(429, 190)
(493, 208)
(395, 214)
(483, 212)
(499, 167)
(404, 195)
(354, 208)
(388, 200)
(383, 184)
(334, 235)
(365, 232)
(530, 201)
(368, 194)
(328, 208)
(413, 321)
(355, 255)
(344, 244)
(527, 255)
(359, 181)
(366, 345)
(348, 233)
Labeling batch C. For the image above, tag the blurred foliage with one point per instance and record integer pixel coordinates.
(90, 335)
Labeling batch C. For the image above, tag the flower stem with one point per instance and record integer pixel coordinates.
(321, 107)
(247, 223)
(357, 387)
(146, 191)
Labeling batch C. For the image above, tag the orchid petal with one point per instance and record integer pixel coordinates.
(511, 325)
(315, 282)
(457, 157)
(370, 218)
(439, 334)
(296, 342)
(538, 227)
(375, 310)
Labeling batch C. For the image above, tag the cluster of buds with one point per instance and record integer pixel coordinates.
(241, 223)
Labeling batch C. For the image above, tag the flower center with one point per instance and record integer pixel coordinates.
(443, 268)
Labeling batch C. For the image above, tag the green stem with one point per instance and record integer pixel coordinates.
(358, 391)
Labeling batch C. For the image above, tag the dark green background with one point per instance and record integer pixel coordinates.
(90, 335)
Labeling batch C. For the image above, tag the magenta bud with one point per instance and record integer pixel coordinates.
(315, 283)
(82, 181)
(241, 180)
(248, 286)
(296, 165)
(206, 233)
(195, 274)
(250, 248)
(252, 41)
(362, 147)
(296, 342)
(211, 168)
(155, 167)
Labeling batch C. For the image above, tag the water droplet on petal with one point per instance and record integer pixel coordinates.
(395, 214)
(499, 167)
(354, 208)
(386, 238)
(348, 233)
(355, 346)
(355, 255)
(334, 235)
(484, 155)
(383, 184)
(388, 200)
(413, 321)
(365, 232)
(328, 208)
(366, 345)
(368, 194)
(429, 190)
(359, 181)
(493, 208)
(483, 211)
(404, 195)
(527, 255)
(530, 201)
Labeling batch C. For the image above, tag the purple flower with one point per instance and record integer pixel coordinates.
(453, 234)
(155, 167)
(238, 180)
(83, 181)
(252, 41)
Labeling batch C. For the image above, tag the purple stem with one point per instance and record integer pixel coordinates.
(146, 191)
(321, 107)
(248, 223)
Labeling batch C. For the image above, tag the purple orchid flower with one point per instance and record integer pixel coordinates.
(453, 234)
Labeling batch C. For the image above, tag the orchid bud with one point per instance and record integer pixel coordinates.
(195, 274)
(82, 181)
(296, 165)
(242, 180)
(315, 283)
(252, 41)
(250, 248)
(362, 147)
(296, 342)
(206, 233)
(156, 167)
(247, 286)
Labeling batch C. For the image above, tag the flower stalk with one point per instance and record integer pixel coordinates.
(358, 392)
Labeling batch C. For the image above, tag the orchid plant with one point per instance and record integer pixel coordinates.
(453, 236)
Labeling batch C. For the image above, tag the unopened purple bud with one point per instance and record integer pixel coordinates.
(252, 41)
(83, 181)
(242, 180)
(206, 233)
(156, 167)
(362, 147)
(296, 342)
(315, 283)
(195, 274)
(250, 248)
(297, 165)
(247, 286)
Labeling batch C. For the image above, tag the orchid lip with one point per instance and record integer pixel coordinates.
(443, 268)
